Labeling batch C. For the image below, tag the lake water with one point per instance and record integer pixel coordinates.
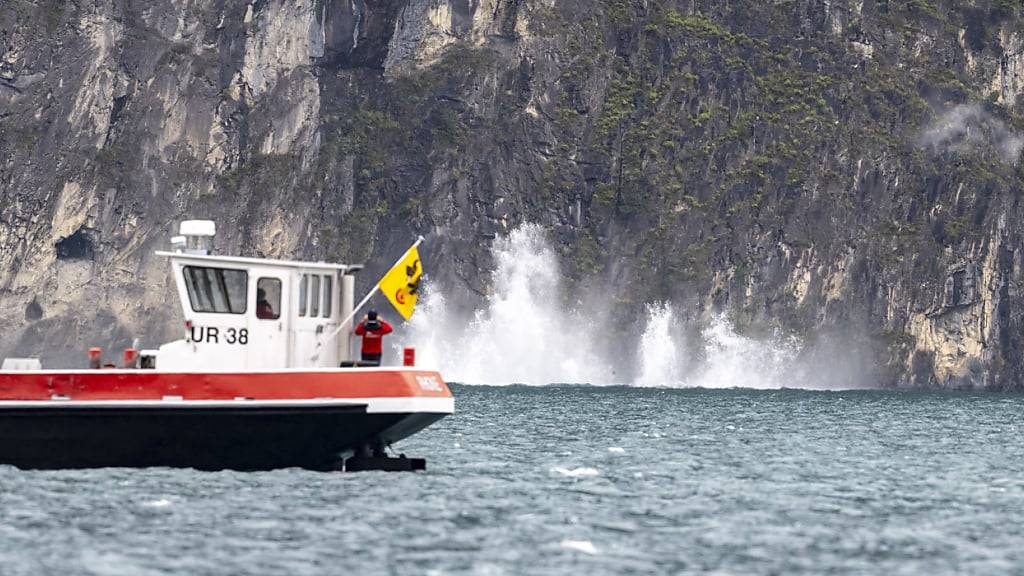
(567, 480)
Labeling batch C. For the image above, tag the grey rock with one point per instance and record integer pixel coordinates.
(795, 165)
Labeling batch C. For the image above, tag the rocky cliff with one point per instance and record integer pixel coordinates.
(820, 167)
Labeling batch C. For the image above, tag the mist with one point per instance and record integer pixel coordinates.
(968, 127)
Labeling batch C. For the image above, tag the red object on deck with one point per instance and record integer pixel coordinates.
(409, 357)
(95, 358)
(131, 358)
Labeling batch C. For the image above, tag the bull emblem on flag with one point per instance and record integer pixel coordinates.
(401, 285)
(413, 274)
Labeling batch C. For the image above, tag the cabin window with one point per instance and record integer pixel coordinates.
(314, 296)
(302, 296)
(328, 286)
(217, 290)
(268, 299)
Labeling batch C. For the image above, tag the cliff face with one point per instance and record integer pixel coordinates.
(820, 167)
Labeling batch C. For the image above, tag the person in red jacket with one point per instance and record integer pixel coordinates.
(372, 330)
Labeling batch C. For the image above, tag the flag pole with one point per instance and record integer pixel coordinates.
(355, 310)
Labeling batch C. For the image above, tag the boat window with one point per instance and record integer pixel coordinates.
(328, 282)
(314, 296)
(268, 299)
(302, 295)
(217, 290)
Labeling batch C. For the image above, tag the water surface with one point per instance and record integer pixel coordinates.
(565, 479)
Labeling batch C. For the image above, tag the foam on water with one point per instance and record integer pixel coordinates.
(585, 546)
(580, 472)
(526, 333)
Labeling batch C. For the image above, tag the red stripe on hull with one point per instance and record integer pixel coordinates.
(155, 385)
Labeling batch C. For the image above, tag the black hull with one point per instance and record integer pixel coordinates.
(205, 438)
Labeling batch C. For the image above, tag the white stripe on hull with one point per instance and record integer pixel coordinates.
(407, 405)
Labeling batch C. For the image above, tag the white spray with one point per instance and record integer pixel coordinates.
(730, 360)
(736, 361)
(659, 353)
(524, 334)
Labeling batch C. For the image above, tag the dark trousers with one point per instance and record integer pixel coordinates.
(370, 359)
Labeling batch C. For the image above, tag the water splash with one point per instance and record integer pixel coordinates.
(660, 350)
(729, 359)
(523, 335)
(526, 334)
(736, 361)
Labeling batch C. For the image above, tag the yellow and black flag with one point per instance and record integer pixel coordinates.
(402, 283)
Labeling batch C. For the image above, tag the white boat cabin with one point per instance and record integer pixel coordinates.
(252, 313)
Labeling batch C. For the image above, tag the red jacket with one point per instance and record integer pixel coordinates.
(373, 338)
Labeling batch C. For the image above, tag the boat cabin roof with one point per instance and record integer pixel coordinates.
(239, 260)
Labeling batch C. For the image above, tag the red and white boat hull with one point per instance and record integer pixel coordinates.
(311, 418)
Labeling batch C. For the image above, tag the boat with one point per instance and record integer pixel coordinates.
(255, 382)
